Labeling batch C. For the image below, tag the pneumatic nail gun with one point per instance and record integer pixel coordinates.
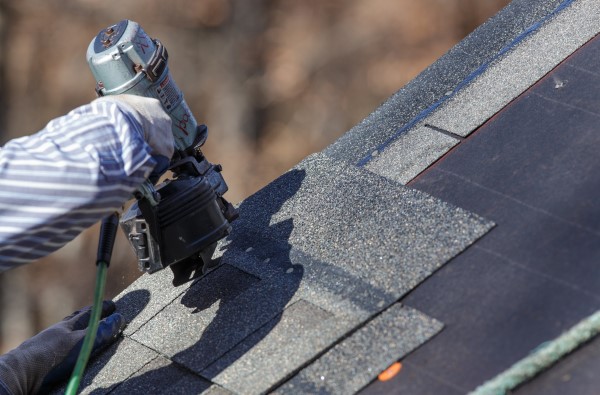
(179, 222)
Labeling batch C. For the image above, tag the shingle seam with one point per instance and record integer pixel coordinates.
(160, 311)
(325, 350)
(243, 339)
(520, 266)
(332, 372)
(444, 131)
(470, 78)
(133, 373)
(521, 203)
(376, 290)
(158, 355)
(582, 69)
(315, 357)
(554, 101)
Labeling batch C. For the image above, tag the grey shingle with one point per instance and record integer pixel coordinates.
(355, 361)
(440, 78)
(325, 285)
(524, 65)
(276, 350)
(162, 376)
(204, 322)
(116, 364)
(303, 248)
(379, 231)
(410, 154)
(148, 295)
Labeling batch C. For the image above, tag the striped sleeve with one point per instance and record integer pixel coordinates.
(60, 181)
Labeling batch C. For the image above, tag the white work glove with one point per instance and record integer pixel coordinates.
(49, 357)
(156, 123)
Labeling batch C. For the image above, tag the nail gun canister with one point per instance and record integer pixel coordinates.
(124, 59)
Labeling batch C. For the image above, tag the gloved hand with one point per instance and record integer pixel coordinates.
(49, 357)
(155, 122)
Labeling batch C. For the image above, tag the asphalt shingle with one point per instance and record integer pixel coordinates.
(249, 367)
(390, 236)
(355, 361)
(532, 169)
(204, 322)
(115, 365)
(301, 252)
(163, 376)
(410, 154)
(147, 296)
(410, 104)
(521, 67)
(495, 312)
(325, 285)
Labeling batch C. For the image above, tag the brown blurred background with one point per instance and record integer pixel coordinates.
(275, 80)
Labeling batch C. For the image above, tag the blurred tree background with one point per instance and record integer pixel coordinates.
(275, 80)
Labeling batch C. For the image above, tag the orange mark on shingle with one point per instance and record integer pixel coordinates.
(390, 372)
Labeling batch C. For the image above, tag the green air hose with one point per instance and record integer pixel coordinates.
(108, 232)
(90, 336)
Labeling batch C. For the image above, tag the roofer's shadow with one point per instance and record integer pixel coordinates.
(245, 308)
(248, 307)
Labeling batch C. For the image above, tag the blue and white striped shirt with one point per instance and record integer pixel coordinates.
(65, 178)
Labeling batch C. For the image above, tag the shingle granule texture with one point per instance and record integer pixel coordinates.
(355, 361)
(314, 257)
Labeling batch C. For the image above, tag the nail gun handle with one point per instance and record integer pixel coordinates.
(162, 165)
(147, 190)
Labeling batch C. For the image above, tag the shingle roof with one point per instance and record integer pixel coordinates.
(312, 292)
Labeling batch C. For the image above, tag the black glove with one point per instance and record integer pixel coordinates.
(49, 357)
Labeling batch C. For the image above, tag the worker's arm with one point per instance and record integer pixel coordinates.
(79, 168)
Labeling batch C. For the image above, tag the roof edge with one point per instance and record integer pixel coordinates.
(442, 78)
